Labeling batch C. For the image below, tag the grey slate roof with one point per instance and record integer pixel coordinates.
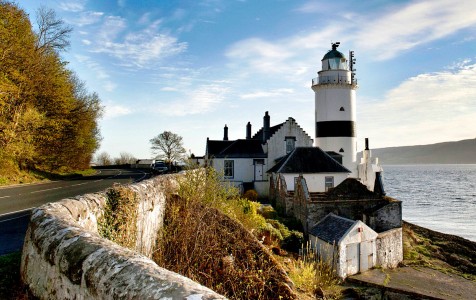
(308, 160)
(332, 228)
(235, 149)
(272, 130)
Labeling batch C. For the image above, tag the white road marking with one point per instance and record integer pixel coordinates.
(79, 184)
(14, 212)
(4, 197)
(57, 188)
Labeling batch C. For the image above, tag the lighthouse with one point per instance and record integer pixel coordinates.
(335, 111)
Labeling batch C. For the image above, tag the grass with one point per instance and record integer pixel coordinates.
(207, 236)
(445, 253)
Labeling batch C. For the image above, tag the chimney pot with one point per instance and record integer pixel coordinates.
(225, 133)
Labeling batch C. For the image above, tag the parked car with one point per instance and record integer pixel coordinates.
(159, 167)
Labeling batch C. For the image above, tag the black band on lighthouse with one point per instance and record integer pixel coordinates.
(335, 128)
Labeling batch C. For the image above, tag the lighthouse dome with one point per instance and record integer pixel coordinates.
(333, 54)
(334, 60)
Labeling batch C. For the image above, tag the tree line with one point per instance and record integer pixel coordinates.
(48, 119)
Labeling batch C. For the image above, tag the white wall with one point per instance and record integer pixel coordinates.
(243, 169)
(315, 182)
(277, 144)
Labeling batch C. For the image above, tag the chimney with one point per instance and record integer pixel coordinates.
(367, 144)
(266, 122)
(225, 133)
(248, 131)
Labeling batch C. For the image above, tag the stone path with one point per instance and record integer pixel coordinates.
(419, 282)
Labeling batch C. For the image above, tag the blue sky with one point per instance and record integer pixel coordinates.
(191, 67)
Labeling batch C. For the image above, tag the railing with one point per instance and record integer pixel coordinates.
(333, 80)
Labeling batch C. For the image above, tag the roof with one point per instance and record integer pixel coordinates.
(214, 147)
(272, 130)
(331, 228)
(333, 54)
(308, 160)
(235, 149)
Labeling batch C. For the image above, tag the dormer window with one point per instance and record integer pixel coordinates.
(290, 143)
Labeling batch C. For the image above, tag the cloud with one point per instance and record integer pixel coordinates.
(112, 111)
(414, 24)
(267, 94)
(87, 18)
(140, 49)
(204, 99)
(72, 6)
(98, 70)
(427, 108)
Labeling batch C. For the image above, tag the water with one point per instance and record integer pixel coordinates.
(438, 197)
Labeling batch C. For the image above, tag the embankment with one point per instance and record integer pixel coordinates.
(65, 258)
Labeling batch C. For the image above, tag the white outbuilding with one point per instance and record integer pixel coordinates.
(348, 245)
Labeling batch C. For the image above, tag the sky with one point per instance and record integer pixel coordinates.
(192, 66)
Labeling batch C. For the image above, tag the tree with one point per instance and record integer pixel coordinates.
(103, 159)
(53, 33)
(124, 159)
(168, 146)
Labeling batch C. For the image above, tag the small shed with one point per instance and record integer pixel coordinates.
(348, 245)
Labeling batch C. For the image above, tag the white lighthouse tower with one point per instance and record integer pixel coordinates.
(335, 101)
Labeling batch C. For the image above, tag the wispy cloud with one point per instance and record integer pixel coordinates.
(414, 24)
(87, 18)
(140, 49)
(267, 94)
(204, 99)
(99, 71)
(113, 110)
(73, 6)
(426, 109)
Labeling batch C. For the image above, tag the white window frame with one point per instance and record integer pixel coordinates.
(290, 143)
(229, 168)
(328, 183)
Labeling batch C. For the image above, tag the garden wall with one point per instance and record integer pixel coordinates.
(65, 258)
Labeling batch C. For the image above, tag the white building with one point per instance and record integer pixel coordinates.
(348, 245)
(244, 162)
(322, 171)
(335, 107)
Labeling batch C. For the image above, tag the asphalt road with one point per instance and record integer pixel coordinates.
(17, 202)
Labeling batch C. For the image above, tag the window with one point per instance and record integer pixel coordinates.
(329, 183)
(290, 143)
(341, 108)
(229, 168)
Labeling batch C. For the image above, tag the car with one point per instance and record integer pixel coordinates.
(159, 167)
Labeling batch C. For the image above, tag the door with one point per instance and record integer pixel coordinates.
(259, 163)
(366, 256)
(352, 252)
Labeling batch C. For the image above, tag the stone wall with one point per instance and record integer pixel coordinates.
(65, 258)
(390, 248)
(387, 217)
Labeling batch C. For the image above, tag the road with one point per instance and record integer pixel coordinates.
(17, 202)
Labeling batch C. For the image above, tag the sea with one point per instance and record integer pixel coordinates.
(438, 197)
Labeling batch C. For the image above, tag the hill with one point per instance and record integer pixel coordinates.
(458, 152)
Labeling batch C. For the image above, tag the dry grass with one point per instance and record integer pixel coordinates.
(203, 240)
(313, 275)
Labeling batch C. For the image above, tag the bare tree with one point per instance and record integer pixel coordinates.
(52, 33)
(103, 159)
(124, 158)
(168, 146)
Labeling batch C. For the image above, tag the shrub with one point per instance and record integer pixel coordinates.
(118, 222)
(206, 237)
(251, 195)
